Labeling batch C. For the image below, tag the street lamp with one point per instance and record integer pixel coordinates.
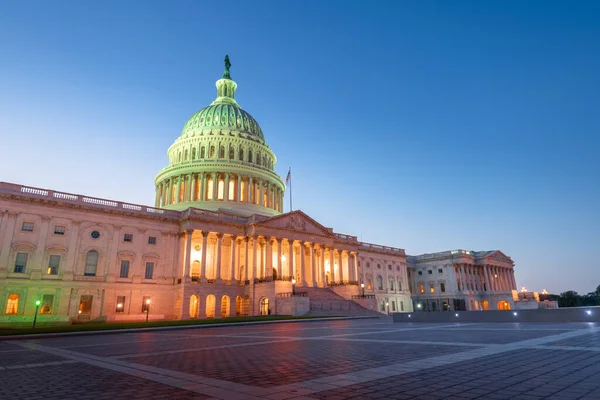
(293, 287)
(419, 306)
(37, 306)
(362, 286)
(147, 309)
(387, 306)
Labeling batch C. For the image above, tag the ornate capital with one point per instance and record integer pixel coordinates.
(219, 235)
(204, 234)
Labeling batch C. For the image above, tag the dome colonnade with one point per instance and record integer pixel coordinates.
(221, 161)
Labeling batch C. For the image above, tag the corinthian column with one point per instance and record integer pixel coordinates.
(232, 271)
(302, 264)
(313, 264)
(219, 244)
(204, 252)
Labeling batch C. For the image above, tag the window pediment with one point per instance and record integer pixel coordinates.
(150, 256)
(56, 249)
(126, 254)
(23, 246)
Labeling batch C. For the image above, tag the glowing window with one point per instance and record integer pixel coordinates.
(47, 303)
(379, 282)
(265, 198)
(220, 190)
(209, 190)
(12, 304)
(231, 190)
(53, 264)
(243, 193)
(431, 288)
(421, 288)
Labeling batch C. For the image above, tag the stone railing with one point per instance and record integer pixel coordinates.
(346, 237)
(376, 247)
(344, 283)
(363, 296)
(284, 278)
(217, 215)
(70, 198)
(291, 294)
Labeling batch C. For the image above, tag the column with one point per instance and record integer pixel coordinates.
(226, 191)
(204, 252)
(202, 194)
(215, 182)
(463, 278)
(188, 252)
(186, 186)
(322, 262)
(332, 264)
(178, 189)
(487, 278)
(247, 259)
(238, 196)
(250, 197)
(192, 187)
(313, 266)
(219, 244)
(355, 268)
(269, 256)
(341, 264)
(512, 277)
(254, 256)
(232, 265)
(302, 264)
(279, 257)
(291, 259)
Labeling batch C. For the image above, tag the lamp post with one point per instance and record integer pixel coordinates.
(147, 309)
(37, 306)
(387, 306)
(362, 286)
(293, 287)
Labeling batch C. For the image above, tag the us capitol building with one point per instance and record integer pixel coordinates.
(216, 243)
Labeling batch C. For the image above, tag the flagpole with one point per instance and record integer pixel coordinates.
(290, 174)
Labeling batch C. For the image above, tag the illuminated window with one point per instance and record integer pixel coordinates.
(197, 189)
(243, 193)
(12, 304)
(256, 193)
(21, 262)
(209, 190)
(231, 189)
(431, 288)
(220, 189)
(369, 284)
(47, 303)
(53, 264)
(421, 288)
(27, 227)
(91, 263)
(120, 304)
(182, 191)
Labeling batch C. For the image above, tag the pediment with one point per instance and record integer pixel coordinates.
(296, 221)
(498, 255)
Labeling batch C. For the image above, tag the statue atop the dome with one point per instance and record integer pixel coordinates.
(226, 74)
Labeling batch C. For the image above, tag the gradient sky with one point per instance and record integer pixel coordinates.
(425, 125)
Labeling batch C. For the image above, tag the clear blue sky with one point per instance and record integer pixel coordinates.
(426, 125)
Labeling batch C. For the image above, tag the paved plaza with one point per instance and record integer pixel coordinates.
(343, 359)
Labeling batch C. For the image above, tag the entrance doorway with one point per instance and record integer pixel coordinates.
(264, 306)
(85, 307)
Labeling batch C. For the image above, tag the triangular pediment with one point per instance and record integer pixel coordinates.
(296, 221)
(498, 255)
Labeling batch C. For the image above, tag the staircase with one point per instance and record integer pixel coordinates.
(325, 302)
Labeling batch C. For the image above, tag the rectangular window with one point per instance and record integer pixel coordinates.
(21, 262)
(394, 305)
(231, 190)
(390, 267)
(53, 264)
(59, 230)
(151, 239)
(421, 289)
(420, 272)
(145, 303)
(401, 306)
(400, 285)
(429, 272)
(12, 304)
(124, 269)
(440, 271)
(431, 288)
(27, 227)
(149, 270)
(443, 287)
(128, 237)
(47, 304)
(120, 304)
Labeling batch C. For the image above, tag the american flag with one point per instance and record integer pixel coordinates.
(289, 176)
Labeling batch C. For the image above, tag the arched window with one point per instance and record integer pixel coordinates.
(379, 282)
(210, 306)
(185, 157)
(231, 156)
(209, 189)
(202, 152)
(212, 152)
(91, 263)
(242, 196)
(225, 306)
(179, 157)
(238, 306)
(391, 283)
(258, 158)
(221, 151)
(249, 155)
(231, 189)
(194, 153)
(241, 154)
(194, 306)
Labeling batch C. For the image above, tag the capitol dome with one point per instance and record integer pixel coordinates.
(221, 161)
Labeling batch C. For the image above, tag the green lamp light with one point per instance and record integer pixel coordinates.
(37, 302)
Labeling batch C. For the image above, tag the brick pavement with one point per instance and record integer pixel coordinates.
(359, 359)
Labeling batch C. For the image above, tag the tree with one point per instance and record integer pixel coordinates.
(570, 298)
